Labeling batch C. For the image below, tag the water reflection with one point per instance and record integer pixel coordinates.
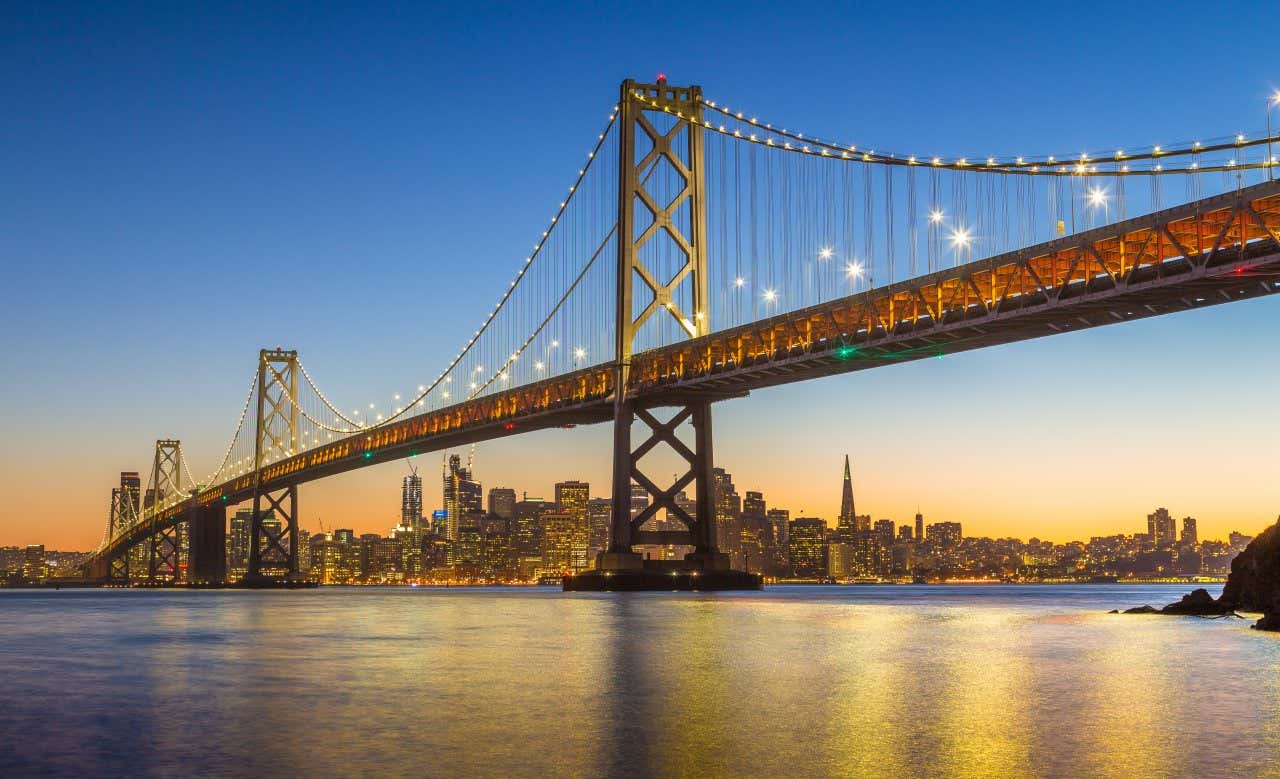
(875, 681)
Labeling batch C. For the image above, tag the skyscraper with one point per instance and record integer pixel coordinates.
(1162, 528)
(919, 528)
(728, 513)
(411, 502)
(599, 514)
(846, 524)
(462, 497)
(502, 502)
(884, 530)
(238, 544)
(1189, 535)
(808, 547)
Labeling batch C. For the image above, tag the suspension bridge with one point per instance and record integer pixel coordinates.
(702, 252)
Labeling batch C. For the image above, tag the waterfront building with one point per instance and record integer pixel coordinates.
(807, 544)
(599, 516)
(728, 513)
(839, 560)
(780, 561)
(241, 525)
(526, 526)
(560, 534)
(34, 567)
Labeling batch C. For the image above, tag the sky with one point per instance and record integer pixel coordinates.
(181, 185)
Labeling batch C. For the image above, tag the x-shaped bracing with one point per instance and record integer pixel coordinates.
(663, 294)
(663, 432)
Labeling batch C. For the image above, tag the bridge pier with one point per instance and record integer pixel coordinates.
(706, 567)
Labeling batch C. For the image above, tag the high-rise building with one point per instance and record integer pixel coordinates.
(599, 517)
(560, 542)
(904, 534)
(808, 547)
(241, 526)
(462, 497)
(728, 514)
(780, 561)
(411, 502)
(526, 526)
(34, 568)
(919, 528)
(502, 502)
(884, 531)
(1189, 535)
(1162, 529)
(839, 560)
(846, 523)
(753, 505)
(945, 534)
(572, 498)
(639, 499)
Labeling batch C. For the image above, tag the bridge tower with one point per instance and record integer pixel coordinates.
(122, 514)
(647, 142)
(164, 554)
(273, 554)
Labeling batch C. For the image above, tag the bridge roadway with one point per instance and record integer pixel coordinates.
(1213, 251)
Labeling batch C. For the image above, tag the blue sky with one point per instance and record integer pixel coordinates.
(183, 185)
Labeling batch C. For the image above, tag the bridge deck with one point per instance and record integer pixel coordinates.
(1217, 250)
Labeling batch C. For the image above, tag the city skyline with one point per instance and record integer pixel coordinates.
(934, 434)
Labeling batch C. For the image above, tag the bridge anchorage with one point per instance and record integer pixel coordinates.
(721, 255)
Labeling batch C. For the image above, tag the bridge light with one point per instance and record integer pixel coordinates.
(538, 365)
(1097, 196)
(554, 344)
(825, 254)
(853, 270)
(738, 282)
(935, 216)
(579, 352)
(770, 295)
(368, 455)
(960, 237)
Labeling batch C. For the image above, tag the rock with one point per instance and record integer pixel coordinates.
(1268, 622)
(1198, 602)
(1114, 611)
(1254, 583)
(1142, 610)
(1271, 619)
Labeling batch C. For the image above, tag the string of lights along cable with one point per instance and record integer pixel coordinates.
(791, 221)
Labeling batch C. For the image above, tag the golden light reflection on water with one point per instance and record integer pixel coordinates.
(892, 682)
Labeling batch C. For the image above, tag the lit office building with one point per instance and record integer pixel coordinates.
(808, 548)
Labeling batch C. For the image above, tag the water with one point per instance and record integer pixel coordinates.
(851, 681)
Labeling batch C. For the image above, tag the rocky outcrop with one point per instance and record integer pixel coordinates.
(1198, 603)
(1254, 585)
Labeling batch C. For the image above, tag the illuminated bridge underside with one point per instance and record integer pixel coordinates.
(1218, 250)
